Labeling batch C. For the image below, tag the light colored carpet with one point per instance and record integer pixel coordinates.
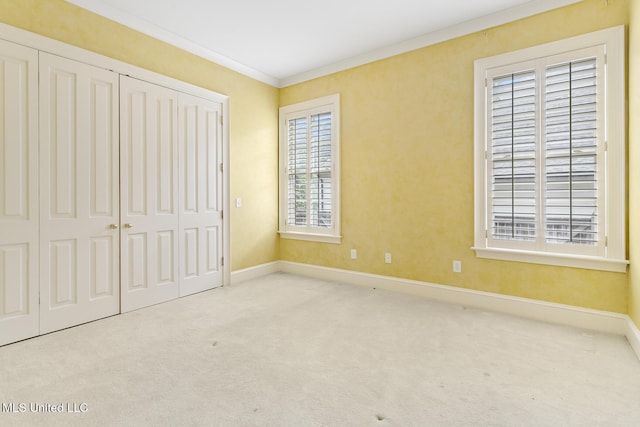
(290, 351)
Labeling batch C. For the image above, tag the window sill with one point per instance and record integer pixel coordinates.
(323, 238)
(575, 261)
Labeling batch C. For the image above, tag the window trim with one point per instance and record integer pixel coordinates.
(318, 105)
(615, 175)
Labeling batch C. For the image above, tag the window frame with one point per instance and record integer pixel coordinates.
(611, 253)
(326, 104)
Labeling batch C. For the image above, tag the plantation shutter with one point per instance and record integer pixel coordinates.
(320, 170)
(543, 154)
(297, 171)
(309, 171)
(513, 156)
(570, 159)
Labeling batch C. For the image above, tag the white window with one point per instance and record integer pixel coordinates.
(550, 153)
(310, 170)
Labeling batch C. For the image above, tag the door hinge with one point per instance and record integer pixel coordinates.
(221, 167)
(221, 120)
(221, 214)
(222, 261)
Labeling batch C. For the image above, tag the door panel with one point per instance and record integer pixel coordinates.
(63, 143)
(101, 272)
(79, 197)
(63, 280)
(19, 314)
(149, 182)
(137, 261)
(166, 255)
(213, 245)
(201, 194)
(104, 178)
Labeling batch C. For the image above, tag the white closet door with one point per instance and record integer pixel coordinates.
(79, 194)
(18, 193)
(149, 185)
(200, 194)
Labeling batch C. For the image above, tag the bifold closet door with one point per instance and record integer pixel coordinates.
(19, 242)
(200, 142)
(79, 194)
(149, 186)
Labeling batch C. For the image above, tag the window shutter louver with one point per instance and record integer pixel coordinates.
(297, 172)
(320, 170)
(513, 156)
(570, 159)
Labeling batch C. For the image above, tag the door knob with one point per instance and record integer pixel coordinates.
(113, 226)
(128, 225)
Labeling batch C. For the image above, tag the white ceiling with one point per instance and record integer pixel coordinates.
(282, 42)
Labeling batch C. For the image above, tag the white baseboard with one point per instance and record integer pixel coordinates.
(255, 272)
(633, 336)
(568, 315)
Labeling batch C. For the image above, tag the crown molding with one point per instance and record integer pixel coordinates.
(505, 16)
(173, 39)
(508, 15)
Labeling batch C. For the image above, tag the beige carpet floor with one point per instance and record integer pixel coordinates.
(290, 351)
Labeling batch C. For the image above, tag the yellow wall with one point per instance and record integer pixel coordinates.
(407, 166)
(253, 105)
(634, 161)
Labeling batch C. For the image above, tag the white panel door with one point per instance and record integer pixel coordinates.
(79, 193)
(200, 142)
(149, 186)
(19, 311)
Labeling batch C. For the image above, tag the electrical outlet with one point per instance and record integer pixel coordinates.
(354, 254)
(387, 258)
(457, 266)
